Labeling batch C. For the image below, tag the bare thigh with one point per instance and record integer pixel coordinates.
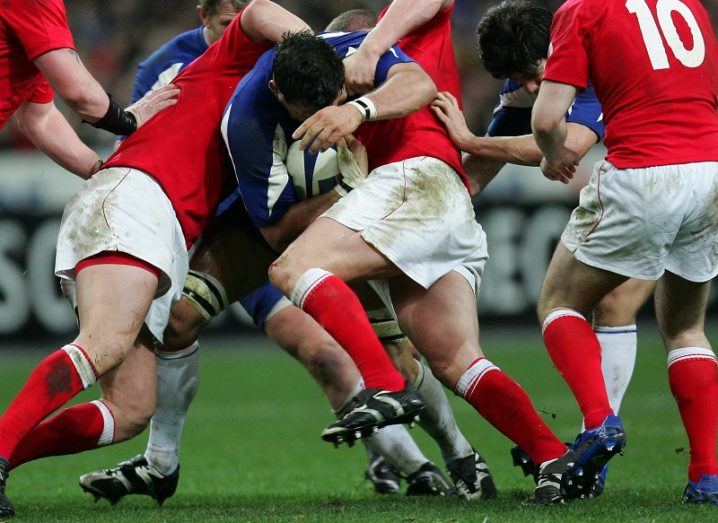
(681, 311)
(571, 284)
(441, 322)
(329, 245)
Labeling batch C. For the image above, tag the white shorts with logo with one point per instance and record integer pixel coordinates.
(642, 222)
(419, 215)
(125, 210)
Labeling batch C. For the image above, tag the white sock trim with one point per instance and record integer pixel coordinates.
(472, 376)
(624, 329)
(690, 353)
(305, 284)
(560, 313)
(420, 373)
(108, 430)
(179, 354)
(82, 365)
(356, 390)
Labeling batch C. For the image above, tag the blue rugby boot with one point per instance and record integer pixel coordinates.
(592, 450)
(703, 491)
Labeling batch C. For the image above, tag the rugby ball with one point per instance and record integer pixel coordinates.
(312, 174)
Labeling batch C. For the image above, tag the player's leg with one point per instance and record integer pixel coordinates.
(441, 321)
(312, 272)
(693, 377)
(614, 322)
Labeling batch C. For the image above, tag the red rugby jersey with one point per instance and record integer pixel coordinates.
(654, 71)
(182, 147)
(28, 29)
(420, 133)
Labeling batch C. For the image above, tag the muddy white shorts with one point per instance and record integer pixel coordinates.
(125, 210)
(642, 222)
(419, 215)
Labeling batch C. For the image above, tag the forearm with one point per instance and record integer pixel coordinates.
(74, 83)
(297, 219)
(407, 89)
(265, 20)
(521, 150)
(53, 135)
(402, 17)
(480, 172)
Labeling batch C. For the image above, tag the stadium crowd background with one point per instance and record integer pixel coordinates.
(522, 213)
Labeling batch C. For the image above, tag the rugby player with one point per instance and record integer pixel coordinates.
(513, 39)
(225, 247)
(649, 211)
(37, 55)
(412, 226)
(124, 239)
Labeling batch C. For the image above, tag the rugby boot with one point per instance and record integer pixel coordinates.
(134, 476)
(383, 476)
(375, 409)
(592, 450)
(549, 478)
(7, 511)
(703, 491)
(472, 477)
(428, 481)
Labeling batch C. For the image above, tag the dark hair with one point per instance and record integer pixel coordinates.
(512, 37)
(352, 20)
(307, 70)
(211, 6)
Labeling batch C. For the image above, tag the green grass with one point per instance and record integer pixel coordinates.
(251, 451)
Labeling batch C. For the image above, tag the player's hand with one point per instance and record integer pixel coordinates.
(562, 168)
(353, 161)
(359, 69)
(325, 127)
(153, 102)
(447, 110)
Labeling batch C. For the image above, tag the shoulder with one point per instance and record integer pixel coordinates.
(188, 44)
(344, 44)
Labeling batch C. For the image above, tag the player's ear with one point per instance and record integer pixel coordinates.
(273, 87)
(203, 15)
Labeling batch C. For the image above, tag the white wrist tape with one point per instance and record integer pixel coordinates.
(366, 107)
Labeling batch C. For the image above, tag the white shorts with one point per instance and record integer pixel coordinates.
(419, 215)
(642, 222)
(125, 210)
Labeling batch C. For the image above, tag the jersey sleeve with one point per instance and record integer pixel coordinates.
(258, 153)
(389, 59)
(568, 58)
(43, 93)
(40, 26)
(586, 110)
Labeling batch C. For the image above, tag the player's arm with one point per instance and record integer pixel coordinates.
(45, 126)
(402, 17)
(407, 88)
(265, 20)
(548, 122)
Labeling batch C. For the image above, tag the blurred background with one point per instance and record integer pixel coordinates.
(522, 213)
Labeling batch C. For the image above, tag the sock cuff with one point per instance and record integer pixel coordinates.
(82, 363)
(108, 424)
(176, 355)
(419, 374)
(557, 314)
(624, 329)
(690, 353)
(470, 379)
(306, 283)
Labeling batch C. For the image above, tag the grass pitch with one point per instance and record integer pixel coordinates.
(251, 450)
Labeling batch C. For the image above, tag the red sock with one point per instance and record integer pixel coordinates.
(82, 427)
(576, 353)
(693, 376)
(329, 300)
(54, 382)
(504, 404)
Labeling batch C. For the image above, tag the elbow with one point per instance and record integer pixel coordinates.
(426, 88)
(86, 101)
(543, 124)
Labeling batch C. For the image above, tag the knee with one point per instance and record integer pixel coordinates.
(130, 417)
(614, 311)
(279, 273)
(184, 325)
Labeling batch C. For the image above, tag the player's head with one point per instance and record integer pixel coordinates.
(216, 15)
(352, 20)
(513, 39)
(307, 74)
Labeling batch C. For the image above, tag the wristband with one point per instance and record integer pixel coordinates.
(116, 120)
(366, 107)
(342, 188)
